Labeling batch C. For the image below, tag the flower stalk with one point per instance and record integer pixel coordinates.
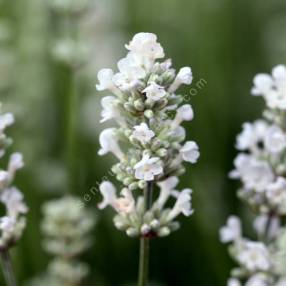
(145, 242)
(7, 268)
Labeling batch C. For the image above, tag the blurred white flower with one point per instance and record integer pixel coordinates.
(251, 135)
(275, 139)
(255, 174)
(109, 143)
(272, 88)
(154, 92)
(126, 203)
(129, 73)
(183, 204)
(146, 48)
(109, 111)
(276, 192)
(105, 78)
(184, 76)
(231, 231)
(166, 188)
(233, 282)
(142, 133)
(16, 162)
(148, 168)
(7, 224)
(108, 192)
(12, 198)
(184, 113)
(262, 225)
(190, 152)
(6, 120)
(254, 256)
(257, 280)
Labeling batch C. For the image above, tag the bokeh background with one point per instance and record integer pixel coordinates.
(49, 58)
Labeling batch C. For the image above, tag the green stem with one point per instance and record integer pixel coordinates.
(145, 242)
(7, 268)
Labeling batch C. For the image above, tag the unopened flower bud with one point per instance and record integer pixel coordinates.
(132, 232)
(163, 231)
(148, 113)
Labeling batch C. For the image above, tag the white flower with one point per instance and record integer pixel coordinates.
(275, 139)
(145, 45)
(166, 188)
(281, 282)
(148, 168)
(126, 203)
(109, 143)
(251, 135)
(16, 162)
(254, 256)
(262, 84)
(184, 76)
(105, 78)
(255, 174)
(272, 88)
(142, 133)
(6, 120)
(257, 280)
(13, 200)
(184, 113)
(231, 231)
(261, 225)
(233, 282)
(190, 152)
(154, 91)
(130, 72)
(108, 192)
(109, 111)
(7, 224)
(276, 192)
(178, 132)
(4, 179)
(183, 205)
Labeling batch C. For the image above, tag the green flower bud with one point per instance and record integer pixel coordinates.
(139, 105)
(155, 223)
(174, 226)
(127, 181)
(148, 113)
(142, 184)
(163, 231)
(129, 107)
(133, 186)
(156, 144)
(162, 152)
(132, 232)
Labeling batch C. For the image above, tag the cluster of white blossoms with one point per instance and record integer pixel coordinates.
(66, 226)
(149, 139)
(261, 167)
(13, 222)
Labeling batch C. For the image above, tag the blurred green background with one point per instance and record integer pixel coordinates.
(49, 59)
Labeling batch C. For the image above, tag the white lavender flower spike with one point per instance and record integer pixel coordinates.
(66, 225)
(13, 222)
(148, 142)
(261, 166)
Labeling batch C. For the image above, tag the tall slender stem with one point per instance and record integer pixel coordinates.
(145, 242)
(7, 268)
